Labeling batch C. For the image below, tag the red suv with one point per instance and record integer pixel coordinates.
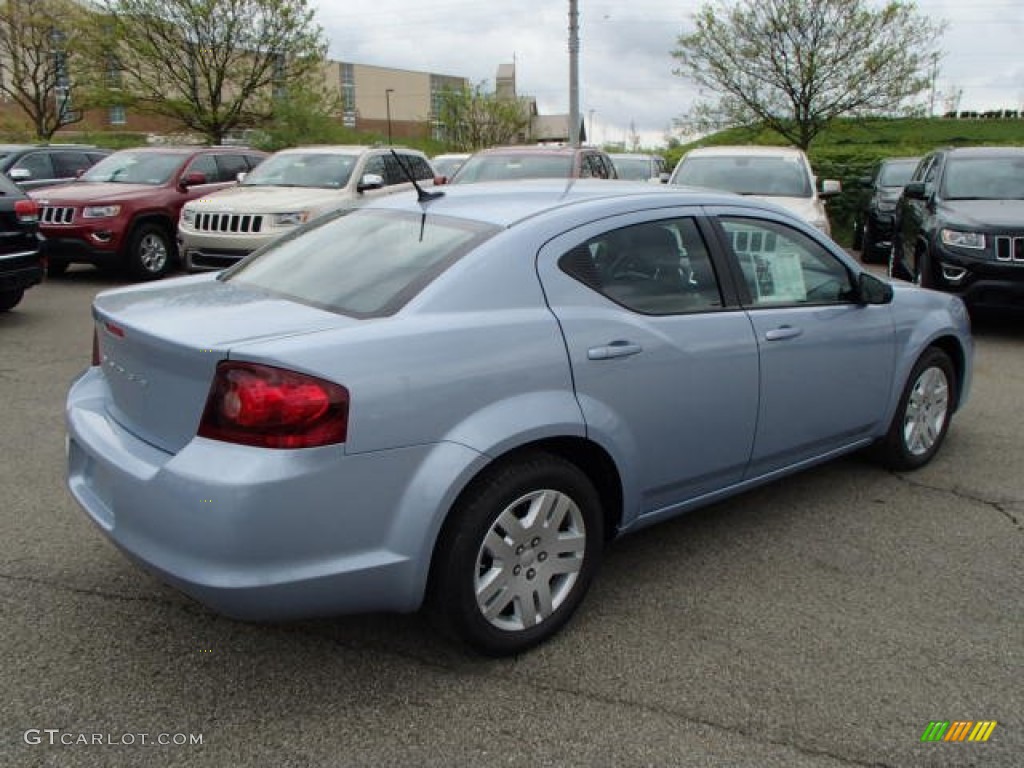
(123, 211)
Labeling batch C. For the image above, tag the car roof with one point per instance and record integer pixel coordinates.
(746, 149)
(536, 149)
(340, 149)
(180, 150)
(986, 151)
(505, 203)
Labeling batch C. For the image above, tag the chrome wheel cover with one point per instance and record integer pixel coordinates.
(152, 253)
(927, 410)
(530, 560)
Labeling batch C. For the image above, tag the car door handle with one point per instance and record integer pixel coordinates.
(613, 350)
(783, 332)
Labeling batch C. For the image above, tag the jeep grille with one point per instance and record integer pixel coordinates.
(228, 222)
(56, 214)
(1010, 248)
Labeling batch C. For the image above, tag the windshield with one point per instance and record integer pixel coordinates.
(296, 169)
(136, 168)
(746, 175)
(984, 178)
(632, 168)
(361, 262)
(514, 166)
(896, 173)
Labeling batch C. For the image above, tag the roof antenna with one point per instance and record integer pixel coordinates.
(422, 195)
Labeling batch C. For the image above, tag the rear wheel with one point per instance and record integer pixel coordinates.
(922, 418)
(150, 252)
(923, 271)
(858, 235)
(10, 299)
(518, 554)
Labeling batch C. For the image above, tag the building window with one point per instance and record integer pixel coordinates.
(348, 96)
(117, 115)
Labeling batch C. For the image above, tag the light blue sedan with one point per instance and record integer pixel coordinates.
(457, 402)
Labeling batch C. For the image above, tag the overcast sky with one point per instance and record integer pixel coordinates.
(625, 62)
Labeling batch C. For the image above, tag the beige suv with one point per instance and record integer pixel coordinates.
(288, 189)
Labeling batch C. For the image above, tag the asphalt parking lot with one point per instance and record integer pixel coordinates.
(824, 620)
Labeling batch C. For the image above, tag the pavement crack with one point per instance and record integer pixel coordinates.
(669, 712)
(1002, 507)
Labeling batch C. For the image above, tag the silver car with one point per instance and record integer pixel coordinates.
(457, 400)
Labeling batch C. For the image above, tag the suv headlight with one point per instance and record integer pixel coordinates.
(960, 239)
(290, 219)
(188, 216)
(100, 211)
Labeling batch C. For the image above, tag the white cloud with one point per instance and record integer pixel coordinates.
(625, 56)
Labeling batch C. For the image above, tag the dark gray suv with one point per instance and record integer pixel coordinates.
(32, 166)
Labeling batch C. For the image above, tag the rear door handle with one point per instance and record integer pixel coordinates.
(783, 332)
(613, 350)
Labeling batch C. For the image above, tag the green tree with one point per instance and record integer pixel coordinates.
(39, 43)
(472, 118)
(212, 65)
(796, 65)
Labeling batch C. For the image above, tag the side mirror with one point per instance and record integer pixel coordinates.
(440, 180)
(370, 181)
(831, 188)
(871, 290)
(915, 190)
(19, 174)
(664, 177)
(192, 179)
(240, 177)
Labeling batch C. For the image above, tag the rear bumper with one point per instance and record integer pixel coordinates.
(19, 271)
(261, 534)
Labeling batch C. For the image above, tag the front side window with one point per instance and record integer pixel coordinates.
(782, 266)
(37, 164)
(361, 262)
(655, 268)
(229, 166)
(206, 165)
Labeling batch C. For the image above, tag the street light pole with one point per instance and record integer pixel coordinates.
(387, 99)
(574, 74)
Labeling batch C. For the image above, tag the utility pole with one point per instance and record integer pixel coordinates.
(574, 73)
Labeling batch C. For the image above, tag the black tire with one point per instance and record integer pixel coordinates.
(897, 266)
(151, 252)
(56, 267)
(10, 299)
(869, 249)
(922, 417)
(484, 526)
(858, 235)
(923, 275)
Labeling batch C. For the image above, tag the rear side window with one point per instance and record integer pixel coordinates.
(229, 166)
(364, 263)
(66, 164)
(38, 164)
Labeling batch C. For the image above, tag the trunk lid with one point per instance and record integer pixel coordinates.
(159, 347)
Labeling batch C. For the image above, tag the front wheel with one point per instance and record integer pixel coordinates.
(150, 254)
(922, 416)
(518, 554)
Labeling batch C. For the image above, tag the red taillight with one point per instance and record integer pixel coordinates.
(273, 408)
(27, 211)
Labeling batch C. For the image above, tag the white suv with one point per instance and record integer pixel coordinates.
(781, 175)
(287, 189)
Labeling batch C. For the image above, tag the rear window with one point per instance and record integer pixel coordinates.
(746, 174)
(496, 167)
(364, 263)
